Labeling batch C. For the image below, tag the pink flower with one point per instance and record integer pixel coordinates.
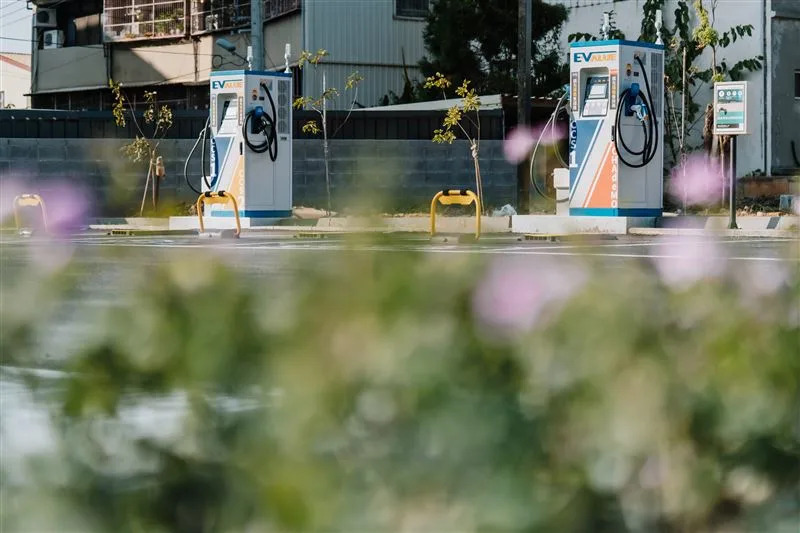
(67, 207)
(518, 144)
(520, 141)
(515, 292)
(66, 204)
(9, 189)
(699, 181)
(684, 262)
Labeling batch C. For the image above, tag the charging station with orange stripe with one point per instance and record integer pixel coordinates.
(616, 134)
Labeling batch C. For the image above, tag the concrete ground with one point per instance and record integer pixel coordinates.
(267, 249)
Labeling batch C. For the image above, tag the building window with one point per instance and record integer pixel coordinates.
(412, 8)
(129, 20)
(797, 83)
(217, 15)
(276, 8)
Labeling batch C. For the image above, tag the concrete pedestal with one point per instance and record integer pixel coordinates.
(219, 223)
(562, 225)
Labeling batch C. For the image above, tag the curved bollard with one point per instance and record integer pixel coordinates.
(29, 200)
(456, 197)
(220, 197)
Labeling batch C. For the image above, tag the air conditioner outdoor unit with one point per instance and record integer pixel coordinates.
(44, 18)
(53, 39)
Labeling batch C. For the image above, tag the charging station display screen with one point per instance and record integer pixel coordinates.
(598, 88)
(596, 97)
(229, 119)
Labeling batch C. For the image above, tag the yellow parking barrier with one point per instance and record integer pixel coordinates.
(456, 197)
(220, 197)
(29, 200)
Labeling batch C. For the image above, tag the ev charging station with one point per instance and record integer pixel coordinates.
(250, 120)
(616, 155)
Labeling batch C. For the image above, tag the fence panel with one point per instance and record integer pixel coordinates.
(378, 125)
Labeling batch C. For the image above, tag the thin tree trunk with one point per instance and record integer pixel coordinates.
(327, 172)
(478, 181)
(325, 139)
(146, 185)
(154, 188)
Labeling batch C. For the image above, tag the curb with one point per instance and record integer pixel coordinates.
(694, 232)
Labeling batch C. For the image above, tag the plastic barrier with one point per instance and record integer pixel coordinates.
(456, 197)
(220, 197)
(29, 200)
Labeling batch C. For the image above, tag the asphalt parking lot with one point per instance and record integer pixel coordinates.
(264, 247)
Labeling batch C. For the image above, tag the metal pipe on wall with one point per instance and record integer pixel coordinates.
(257, 33)
(524, 96)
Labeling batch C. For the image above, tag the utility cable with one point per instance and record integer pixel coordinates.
(200, 138)
(550, 122)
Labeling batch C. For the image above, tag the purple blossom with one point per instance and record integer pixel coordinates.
(684, 262)
(521, 140)
(515, 292)
(9, 189)
(699, 181)
(67, 207)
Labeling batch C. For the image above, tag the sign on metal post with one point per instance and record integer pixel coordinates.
(730, 108)
(731, 118)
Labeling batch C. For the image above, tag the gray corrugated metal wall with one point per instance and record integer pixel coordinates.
(785, 108)
(362, 35)
(363, 30)
(377, 82)
(279, 32)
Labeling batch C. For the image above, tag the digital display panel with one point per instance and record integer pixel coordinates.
(598, 88)
(230, 116)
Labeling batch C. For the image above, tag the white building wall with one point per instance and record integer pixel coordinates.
(15, 80)
(586, 16)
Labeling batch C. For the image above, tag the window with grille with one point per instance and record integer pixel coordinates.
(412, 8)
(216, 15)
(277, 8)
(128, 20)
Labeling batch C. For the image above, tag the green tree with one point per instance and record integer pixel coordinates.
(319, 104)
(461, 116)
(477, 40)
(157, 120)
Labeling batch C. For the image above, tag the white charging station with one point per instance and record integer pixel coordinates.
(616, 162)
(251, 147)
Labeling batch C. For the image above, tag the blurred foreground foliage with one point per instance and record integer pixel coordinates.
(411, 392)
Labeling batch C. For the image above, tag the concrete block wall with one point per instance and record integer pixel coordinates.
(95, 165)
(365, 174)
(397, 175)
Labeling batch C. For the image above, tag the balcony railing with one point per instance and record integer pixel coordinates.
(216, 15)
(277, 8)
(130, 20)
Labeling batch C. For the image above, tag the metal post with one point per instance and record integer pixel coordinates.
(524, 96)
(257, 33)
(732, 192)
(683, 126)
